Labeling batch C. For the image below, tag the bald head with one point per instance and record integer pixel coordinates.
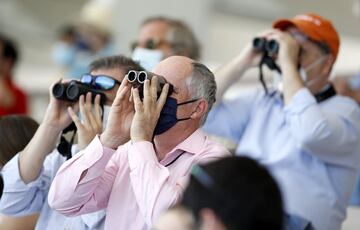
(175, 68)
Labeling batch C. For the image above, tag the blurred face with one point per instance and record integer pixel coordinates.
(115, 73)
(314, 59)
(153, 35)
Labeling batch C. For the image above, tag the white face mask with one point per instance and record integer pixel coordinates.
(147, 58)
(106, 113)
(277, 77)
(303, 72)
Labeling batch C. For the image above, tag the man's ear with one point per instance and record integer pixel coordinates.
(200, 109)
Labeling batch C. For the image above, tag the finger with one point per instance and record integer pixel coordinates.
(146, 92)
(75, 118)
(97, 109)
(83, 110)
(137, 101)
(154, 85)
(162, 99)
(120, 95)
(90, 112)
(124, 84)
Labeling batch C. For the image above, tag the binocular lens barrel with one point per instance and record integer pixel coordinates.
(142, 76)
(132, 76)
(259, 43)
(272, 46)
(59, 91)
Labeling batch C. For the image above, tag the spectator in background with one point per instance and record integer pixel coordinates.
(233, 193)
(15, 133)
(12, 99)
(29, 174)
(78, 45)
(305, 134)
(161, 37)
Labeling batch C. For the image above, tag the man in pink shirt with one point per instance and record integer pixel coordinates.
(136, 180)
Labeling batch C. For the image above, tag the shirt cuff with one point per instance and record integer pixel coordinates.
(300, 101)
(11, 174)
(94, 158)
(141, 152)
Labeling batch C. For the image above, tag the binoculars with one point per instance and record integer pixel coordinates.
(271, 47)
(137, 79)
(71, 91)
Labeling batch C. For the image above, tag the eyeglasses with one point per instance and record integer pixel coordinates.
(101, 82)
(149, 44)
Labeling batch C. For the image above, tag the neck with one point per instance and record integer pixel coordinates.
(167, 141)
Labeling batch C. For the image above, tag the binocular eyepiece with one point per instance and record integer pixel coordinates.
(137, 79)
(71, 91)
(271, 47)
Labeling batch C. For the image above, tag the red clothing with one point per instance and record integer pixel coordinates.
(20, 106)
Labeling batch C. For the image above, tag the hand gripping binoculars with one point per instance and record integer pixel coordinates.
(137, 79)
(71, 91)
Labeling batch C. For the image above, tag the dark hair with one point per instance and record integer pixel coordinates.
(16, 132)
(240, 192)
(180, 36)
(116, 61)
(10, 50)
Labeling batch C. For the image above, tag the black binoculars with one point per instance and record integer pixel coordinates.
(137, 79)
(271, 47)
(71, 91)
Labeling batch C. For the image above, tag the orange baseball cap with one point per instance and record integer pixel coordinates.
(315, 27)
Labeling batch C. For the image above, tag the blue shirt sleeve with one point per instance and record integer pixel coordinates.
(354, 82)
(330, 130)
(21, 199)
(228, 119)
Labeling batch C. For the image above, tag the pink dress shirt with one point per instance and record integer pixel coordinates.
(130, 182)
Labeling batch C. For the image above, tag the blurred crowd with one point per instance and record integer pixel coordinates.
(132, 142)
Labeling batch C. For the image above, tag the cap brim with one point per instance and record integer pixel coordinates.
(282, 24)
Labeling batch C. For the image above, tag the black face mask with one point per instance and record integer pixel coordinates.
(168, 117)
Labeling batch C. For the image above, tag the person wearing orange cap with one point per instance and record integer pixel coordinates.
(304, 132)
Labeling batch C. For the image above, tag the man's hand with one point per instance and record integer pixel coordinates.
(117, 130)
(92, 122)
(56, 116)
(288, 49)
(147, 112)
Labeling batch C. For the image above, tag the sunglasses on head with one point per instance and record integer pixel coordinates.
(101, 82)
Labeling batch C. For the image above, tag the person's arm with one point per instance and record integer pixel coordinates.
(31, 159)
(83, 183)
(324, 133)
(21, 199)
(231, 72)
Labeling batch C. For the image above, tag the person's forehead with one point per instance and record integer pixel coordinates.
(154, 29)
(116, 73)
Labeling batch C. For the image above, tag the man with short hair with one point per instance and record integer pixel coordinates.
(12, 99)
(162, 37)
(139, 179)
(29, 174)
(300, 129)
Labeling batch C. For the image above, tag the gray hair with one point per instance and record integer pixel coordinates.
(202, 84)
(180, 36)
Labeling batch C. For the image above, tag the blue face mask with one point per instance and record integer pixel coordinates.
(168, 117)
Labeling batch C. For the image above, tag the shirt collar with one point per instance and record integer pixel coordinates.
(193, 144)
